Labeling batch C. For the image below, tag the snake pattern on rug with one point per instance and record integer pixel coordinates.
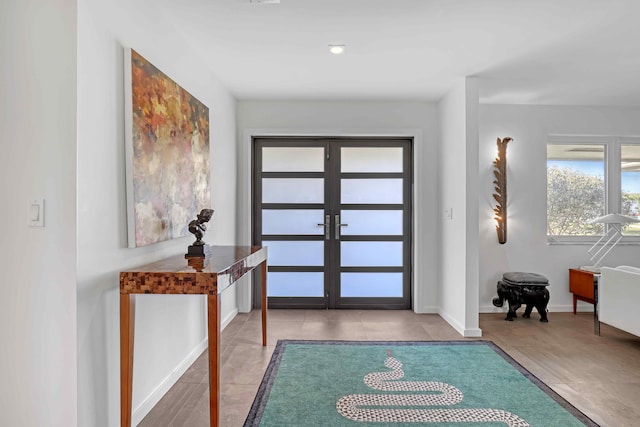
(351, 406)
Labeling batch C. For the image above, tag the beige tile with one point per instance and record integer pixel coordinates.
(246, 364)
(235, 404)
(391, 316)
(335, 315)
(286, 315)
(195, 412)
(332, 330)
(170, 405)
(199, 371)
(400, 331)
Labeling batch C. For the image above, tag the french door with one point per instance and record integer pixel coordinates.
(336, 217)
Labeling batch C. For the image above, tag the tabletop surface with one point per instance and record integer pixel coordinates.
(222, 266)
(218, 259)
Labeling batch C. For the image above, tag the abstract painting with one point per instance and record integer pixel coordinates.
(167, 154)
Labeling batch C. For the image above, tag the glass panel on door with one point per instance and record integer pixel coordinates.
(295, 253)
(292, 221)
(371, 254)
(374, 285)
(371, 159)
(372, 222)
(292, 190)
(293, 159)
(294, 284)
(371, 191)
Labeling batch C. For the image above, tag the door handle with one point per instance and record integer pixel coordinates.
(327, 227)
(338, 225)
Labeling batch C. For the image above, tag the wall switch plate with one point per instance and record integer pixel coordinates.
(448, 213)
(35, 212)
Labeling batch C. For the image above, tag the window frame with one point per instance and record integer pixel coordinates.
(612, 180)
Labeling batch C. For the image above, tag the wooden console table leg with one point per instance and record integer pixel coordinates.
(263, 289)
(575, 303)
(213, 324)
(127, 327)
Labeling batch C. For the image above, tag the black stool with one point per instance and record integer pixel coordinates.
(519, 288)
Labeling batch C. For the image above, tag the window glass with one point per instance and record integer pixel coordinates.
(373, 223)
(362, 191)
(292, 190)
(293, 159)
(295, 284)
(375, 285)
(295, 252)
(371, 159)
(292, 221)
(575, 189)
(630, 186)
(371, 254)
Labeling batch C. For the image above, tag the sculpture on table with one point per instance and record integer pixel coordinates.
(197, 227)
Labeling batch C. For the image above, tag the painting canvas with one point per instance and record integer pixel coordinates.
(167, 153)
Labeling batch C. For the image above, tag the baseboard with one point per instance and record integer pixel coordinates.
(431, 309)
(158, 393)
(465, 332)
(568, 308)
(147, 405)
(224, 322)
(472, 333)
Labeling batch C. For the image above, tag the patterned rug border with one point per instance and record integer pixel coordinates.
(262, 396)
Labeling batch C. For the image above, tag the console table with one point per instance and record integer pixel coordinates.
(222, 266)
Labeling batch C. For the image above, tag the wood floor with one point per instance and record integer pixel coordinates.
(600, 375)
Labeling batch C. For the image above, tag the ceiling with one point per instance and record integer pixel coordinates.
(545, 52)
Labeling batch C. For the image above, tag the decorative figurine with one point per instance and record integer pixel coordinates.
(519, 288)
(198, 228)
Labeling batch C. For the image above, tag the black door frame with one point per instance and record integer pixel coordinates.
(332, 205)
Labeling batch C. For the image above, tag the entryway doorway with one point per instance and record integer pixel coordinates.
(335, 214)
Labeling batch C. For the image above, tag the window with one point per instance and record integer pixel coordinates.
(588, 177)
(630, 185)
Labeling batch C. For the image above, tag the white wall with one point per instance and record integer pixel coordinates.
(526, 248)
(37, 159)
(170, 330)
(458, 119)
(357, 118)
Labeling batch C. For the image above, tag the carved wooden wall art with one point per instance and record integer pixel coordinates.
(500, 195)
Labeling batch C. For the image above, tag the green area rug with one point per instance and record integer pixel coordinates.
(404, 383)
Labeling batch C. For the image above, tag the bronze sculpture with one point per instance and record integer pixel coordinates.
(197, 227)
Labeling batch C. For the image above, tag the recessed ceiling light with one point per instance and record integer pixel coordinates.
(337, 49)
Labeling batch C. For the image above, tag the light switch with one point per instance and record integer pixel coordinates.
(35, 212)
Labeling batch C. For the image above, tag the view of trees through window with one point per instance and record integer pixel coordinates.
(577, 188)
(630, 182)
